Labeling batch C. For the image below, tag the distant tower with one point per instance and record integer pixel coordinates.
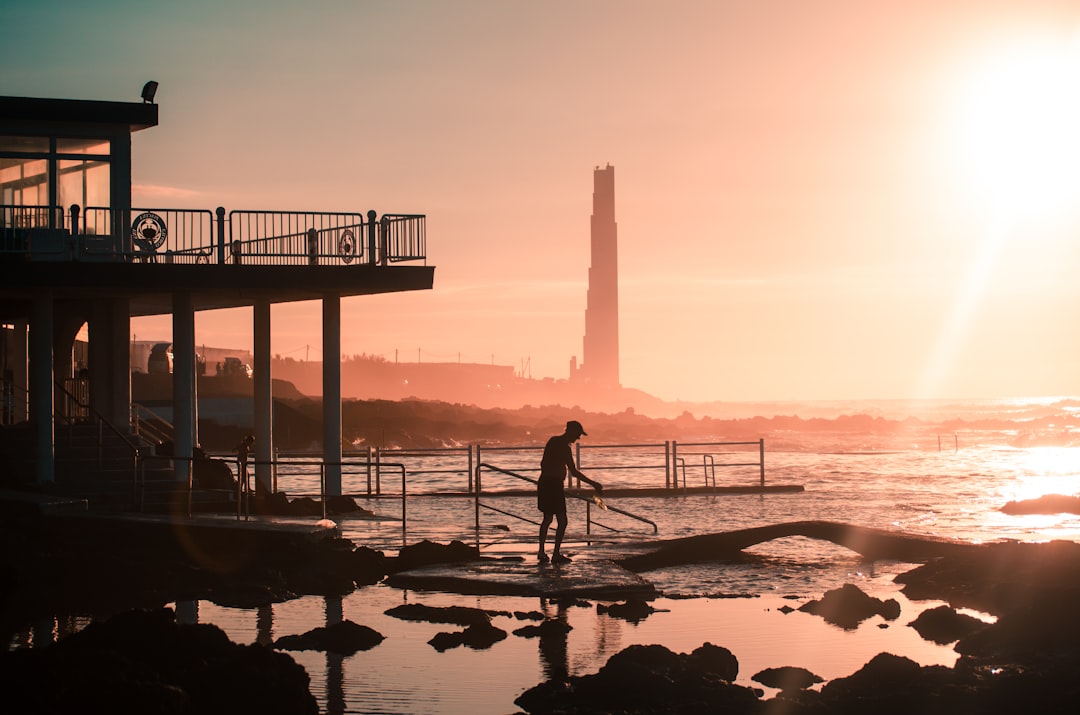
(600, 361)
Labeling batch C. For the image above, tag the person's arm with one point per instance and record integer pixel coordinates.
(595, 484)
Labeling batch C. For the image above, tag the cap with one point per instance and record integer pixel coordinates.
(575, 426)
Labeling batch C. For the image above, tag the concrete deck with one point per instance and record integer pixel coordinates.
(584, 578)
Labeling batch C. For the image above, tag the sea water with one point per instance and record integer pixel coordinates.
(912, 481)
(955, 493)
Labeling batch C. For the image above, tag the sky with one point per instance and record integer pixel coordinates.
(816, 199)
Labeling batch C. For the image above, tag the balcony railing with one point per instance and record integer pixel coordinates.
(46, 233)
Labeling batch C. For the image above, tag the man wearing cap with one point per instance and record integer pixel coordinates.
(550, 498)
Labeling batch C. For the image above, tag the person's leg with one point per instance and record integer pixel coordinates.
(560, 531)
(544, 524)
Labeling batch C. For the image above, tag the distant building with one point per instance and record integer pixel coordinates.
(600, 360)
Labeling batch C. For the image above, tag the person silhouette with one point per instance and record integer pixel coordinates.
(243, 454)
(550, 498)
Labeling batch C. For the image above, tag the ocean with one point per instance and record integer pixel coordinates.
(920, 479)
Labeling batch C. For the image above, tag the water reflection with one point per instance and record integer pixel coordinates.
(553, 638)
(335, 662)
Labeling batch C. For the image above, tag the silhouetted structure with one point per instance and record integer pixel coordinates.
(600, 366)
(75, 251)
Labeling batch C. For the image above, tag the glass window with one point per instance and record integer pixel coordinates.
(24, 145)
(24, 182)
(83, 182)
(83, 146)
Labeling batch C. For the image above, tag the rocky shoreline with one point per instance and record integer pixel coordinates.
(129, 659)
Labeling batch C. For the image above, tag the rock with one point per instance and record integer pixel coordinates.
(787, 678)
(144, 662)
(997, 577)
(343, 638)
(848, 606)
(458, 615)
(634, 610)
(1048, 504)
(944, 625)
(368, 566)
(715, 659)
(529, 615)
(894, 685)
(1046, 632)
(643, 679)
(429, 553)
(213, 474)
(305, 506)
(550, 627)
(343, 504)
(479, 637)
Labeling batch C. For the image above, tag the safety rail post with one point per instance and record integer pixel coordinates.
(140, 481)
(378, 471)
(239, 489)
(372, 238)
(369, 453)
(588, 518)
(476, 498)
(667, 464)
(470, 476)
(220, 211)
(73, 232)
(322, 487)
(674, 464)
(761, 453)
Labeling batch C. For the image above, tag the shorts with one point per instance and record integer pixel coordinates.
(550, 497)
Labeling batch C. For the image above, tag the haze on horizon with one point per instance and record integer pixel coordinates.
(822, 200)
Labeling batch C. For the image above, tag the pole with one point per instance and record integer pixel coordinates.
(761, 457)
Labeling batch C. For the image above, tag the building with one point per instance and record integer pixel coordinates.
(74, 252)
(600, 359)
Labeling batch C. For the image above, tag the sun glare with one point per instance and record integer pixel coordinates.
(1018, 132)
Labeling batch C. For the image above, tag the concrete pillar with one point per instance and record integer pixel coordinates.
(264, 400)
(331, 335)
(184, 415)
(17, 365)
(41, 391)
(110, 362)
(119, 411)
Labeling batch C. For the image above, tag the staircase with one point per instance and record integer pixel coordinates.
(103, 467)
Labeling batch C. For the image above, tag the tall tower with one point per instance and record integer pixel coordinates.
(601, 349)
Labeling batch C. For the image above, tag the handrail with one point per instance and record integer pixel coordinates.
(101, 420)
(201, 236)
(156, 427)
(589, 500)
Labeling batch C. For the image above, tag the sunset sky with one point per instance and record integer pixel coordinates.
(815, 199)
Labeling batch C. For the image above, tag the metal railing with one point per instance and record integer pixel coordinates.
(199, 236)
(709, 463)
(150, 426)
(589, 521)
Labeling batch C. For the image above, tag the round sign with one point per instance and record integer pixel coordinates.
(347, 246)
(148, 231)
